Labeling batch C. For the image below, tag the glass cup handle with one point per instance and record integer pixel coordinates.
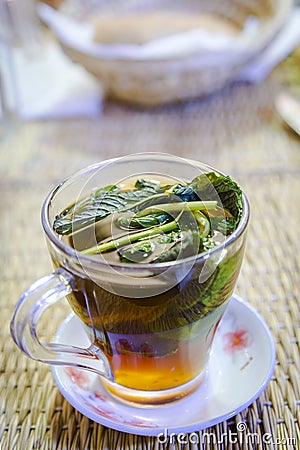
(40, 295)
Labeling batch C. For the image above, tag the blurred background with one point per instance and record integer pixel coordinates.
(205, 79)
(216, 81)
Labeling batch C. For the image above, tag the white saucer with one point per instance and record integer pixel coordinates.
(241, 365)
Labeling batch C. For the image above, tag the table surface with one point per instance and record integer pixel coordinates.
(236, 130)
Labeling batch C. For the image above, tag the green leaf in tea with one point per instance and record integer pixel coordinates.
(212, 186)
(145, 184)
(99, 205)
(185, 247)
(136, 253)
(148, 221)
(224, 225)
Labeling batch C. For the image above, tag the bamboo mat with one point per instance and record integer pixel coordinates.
(237, 131)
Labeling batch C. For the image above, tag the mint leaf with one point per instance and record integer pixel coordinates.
(99, 205)
(187, 245)
(230, 195)
(136, 253)
(224, 225)
(151, 220)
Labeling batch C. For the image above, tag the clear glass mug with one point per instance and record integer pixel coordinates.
(151, 326)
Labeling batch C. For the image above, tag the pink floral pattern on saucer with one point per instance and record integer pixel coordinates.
(236, 341)
(96, 401)
(78, 377)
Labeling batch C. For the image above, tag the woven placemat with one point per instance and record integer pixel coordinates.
(236, 130)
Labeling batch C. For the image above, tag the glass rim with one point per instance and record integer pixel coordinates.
(75, 255)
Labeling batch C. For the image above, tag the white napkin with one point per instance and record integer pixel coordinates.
(48, 85)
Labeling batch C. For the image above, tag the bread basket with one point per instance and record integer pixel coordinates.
(179, 75)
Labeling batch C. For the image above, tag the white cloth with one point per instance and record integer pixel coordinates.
(47, 85)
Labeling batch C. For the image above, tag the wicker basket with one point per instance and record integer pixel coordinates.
(159, 81)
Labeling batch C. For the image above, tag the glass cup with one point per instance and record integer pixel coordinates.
(151, 326)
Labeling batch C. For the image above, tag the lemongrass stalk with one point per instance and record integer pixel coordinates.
(130, 238)
(179, 206)
(140, 202)
(203, 223)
